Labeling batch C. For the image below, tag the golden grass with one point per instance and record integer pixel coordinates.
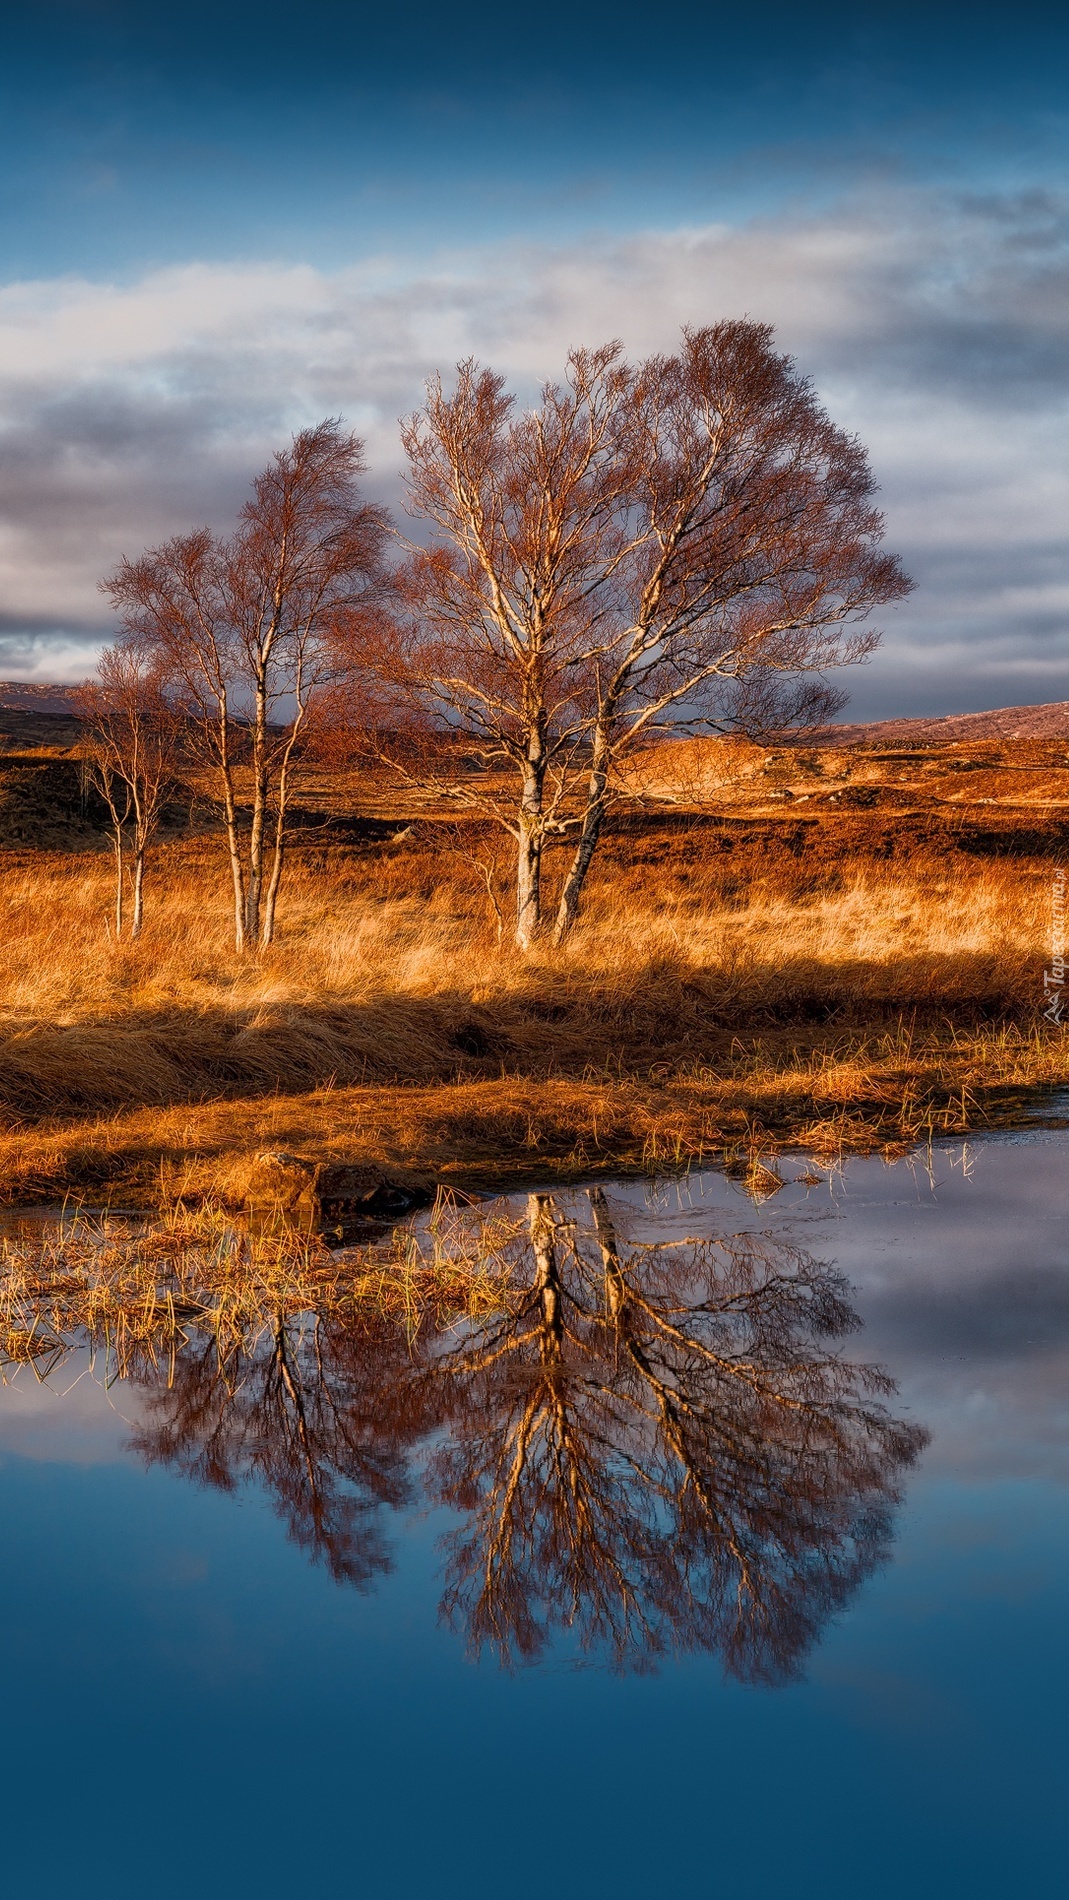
(857, 1092)
(884, 934)
(738, 983)
(136, 1296)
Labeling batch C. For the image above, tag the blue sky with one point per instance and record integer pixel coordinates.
(148, 133)
(222, 221)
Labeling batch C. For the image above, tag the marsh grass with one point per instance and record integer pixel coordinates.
(135, 1293)
(371, 986)
(738, 983)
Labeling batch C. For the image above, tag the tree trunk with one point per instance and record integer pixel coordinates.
(593, 820)
(119, 873)
(547, 1279)
(237, 876)
(237, 871)
(529, 855)
(610, 1253)
(528, 887)
(267, 934)
(254, 889)
(139, 891)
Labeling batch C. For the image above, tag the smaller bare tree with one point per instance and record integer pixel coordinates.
(134, 733)
(249, 628)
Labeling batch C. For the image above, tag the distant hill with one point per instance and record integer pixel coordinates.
(36, 718)
(29, 696)
(1050, 721)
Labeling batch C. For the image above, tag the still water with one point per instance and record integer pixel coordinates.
(641, 1580)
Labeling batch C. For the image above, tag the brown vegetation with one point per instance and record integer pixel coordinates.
(753, 972)
(136, 1295)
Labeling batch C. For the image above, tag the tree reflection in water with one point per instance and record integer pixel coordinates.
(314, 1411)
(653, 1448)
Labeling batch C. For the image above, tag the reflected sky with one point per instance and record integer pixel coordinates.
(165, 1630)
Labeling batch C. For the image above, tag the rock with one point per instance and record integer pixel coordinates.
(281, 1179)
(329, 1190)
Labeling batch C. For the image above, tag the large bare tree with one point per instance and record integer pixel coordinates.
(686, 544)
(249, 628)
(527, 509)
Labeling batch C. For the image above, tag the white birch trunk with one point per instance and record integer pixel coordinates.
(139, 892)
(529, 851)
(120, 872)
(590, 833)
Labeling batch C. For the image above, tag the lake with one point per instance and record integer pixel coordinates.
(634, 1581)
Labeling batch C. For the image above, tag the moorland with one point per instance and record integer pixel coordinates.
(815, 946)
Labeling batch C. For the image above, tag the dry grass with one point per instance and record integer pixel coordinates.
(368, 984)
(136, 1297)
(857, 1092)
(743, 978)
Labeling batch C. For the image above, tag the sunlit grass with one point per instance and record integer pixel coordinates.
(714, 1003)
(347, 937)
(137, 1293)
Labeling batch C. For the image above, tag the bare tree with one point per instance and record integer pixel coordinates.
(504, 603)
(666, 548)
(249, 628)
(755, 545)
(134, 732)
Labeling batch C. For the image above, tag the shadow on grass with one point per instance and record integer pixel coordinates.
(648, 1020)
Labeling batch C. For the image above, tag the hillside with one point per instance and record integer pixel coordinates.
(42, 712)
(1049, 721)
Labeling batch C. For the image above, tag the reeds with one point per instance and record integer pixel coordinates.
(137, 1292)
(369, 986)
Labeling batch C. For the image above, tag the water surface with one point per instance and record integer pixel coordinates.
(637, 1582)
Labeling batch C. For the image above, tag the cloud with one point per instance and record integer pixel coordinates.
(70, 1418)
(936, 326)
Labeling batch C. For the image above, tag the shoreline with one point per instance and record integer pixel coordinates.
(833, 953)
(479, 1135)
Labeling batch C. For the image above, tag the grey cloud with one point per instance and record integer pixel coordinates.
(1017, 1310)
(54, 653)
(973, 302)
(937, 327)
